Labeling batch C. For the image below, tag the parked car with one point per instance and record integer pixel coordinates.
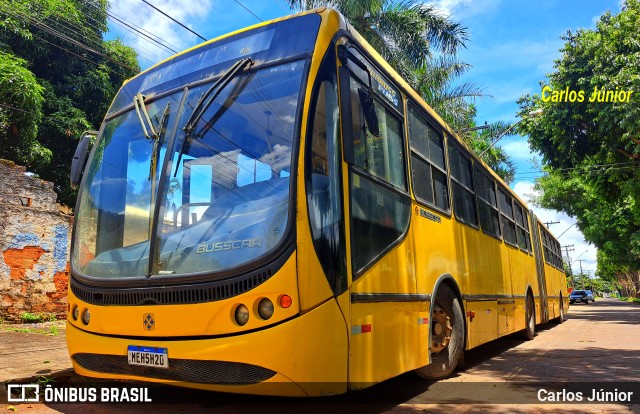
(590, 296)
(580, 296)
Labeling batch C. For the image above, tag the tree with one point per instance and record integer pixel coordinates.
(21, 98)
(591, 150)
(406, 33)
(73, 69)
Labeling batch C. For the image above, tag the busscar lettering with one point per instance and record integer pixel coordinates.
(229, 245)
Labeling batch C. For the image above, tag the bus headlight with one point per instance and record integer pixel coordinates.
(242, 315)
(265, 309)
(75, 313)
(86, 316)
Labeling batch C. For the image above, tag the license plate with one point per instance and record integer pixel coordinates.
(148, 356)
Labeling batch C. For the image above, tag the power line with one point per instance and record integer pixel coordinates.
(247, 9)
(41, 25)
(151, 57)
(78, 56)
(160, 11)
(112, 16)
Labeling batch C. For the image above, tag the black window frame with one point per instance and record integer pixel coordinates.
(505, 219)
(346, 76)
(522, 227)
(451, 143)
(414, 110)
(479, 171)
(551, 248)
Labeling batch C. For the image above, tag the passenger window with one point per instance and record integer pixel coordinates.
(381, 156)
(522, 227)
(379, 213)
(487, 203)
(464, 201)
(428, 169)
(508, 224)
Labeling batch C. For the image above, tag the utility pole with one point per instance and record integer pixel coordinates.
(566, 249)
(548, 223)
(581, 275)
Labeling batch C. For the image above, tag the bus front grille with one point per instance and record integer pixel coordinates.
(187, 370)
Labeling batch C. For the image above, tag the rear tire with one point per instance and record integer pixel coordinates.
(447, 336)
(529, 332)
(560, 317)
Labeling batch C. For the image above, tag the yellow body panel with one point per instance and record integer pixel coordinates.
(396, 343)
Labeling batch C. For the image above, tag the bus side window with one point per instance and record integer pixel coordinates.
(464, 201)
(508, 224)
(381, 156)
(379, 213)
(428, 168)
(324, 188)
(487, 203)
(522, 227)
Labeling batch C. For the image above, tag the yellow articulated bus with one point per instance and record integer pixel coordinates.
(277, 212)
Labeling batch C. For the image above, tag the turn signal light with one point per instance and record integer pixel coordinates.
(285, 301)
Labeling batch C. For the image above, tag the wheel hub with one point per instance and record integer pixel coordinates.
(440, 330)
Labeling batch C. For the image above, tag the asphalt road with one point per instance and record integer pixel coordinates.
(598, 347)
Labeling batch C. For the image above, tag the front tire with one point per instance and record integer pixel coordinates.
(447, 336)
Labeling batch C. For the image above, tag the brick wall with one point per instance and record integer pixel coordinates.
(34, 246)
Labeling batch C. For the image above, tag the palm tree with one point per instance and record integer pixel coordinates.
(406, 33)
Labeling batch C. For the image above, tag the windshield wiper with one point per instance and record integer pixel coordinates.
(141, 109)
(207, 99)
(162, 127)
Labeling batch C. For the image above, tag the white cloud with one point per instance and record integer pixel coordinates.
(462, 9)
(154, 24)
(517, 149)
(566, 231)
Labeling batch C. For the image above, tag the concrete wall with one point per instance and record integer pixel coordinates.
(34, 246)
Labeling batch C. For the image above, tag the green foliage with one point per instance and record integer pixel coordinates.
(406, 33)
(72, 86)
(21, 98)
(29, 317)
(591, 150)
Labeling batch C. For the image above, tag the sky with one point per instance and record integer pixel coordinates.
(513, 44)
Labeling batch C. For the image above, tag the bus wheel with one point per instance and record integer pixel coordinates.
(560, 317)
(447, 336)
(529, 319)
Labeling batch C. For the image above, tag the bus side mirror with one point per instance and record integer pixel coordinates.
(369, 110)
(80, 157)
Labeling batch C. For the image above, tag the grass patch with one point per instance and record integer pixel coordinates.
(30, 317)
(51, 329)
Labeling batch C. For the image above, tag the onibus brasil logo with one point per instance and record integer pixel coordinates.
(27, 393)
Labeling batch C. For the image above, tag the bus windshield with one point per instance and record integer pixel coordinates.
(220, 189)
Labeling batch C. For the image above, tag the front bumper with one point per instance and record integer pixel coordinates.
(304, 356)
